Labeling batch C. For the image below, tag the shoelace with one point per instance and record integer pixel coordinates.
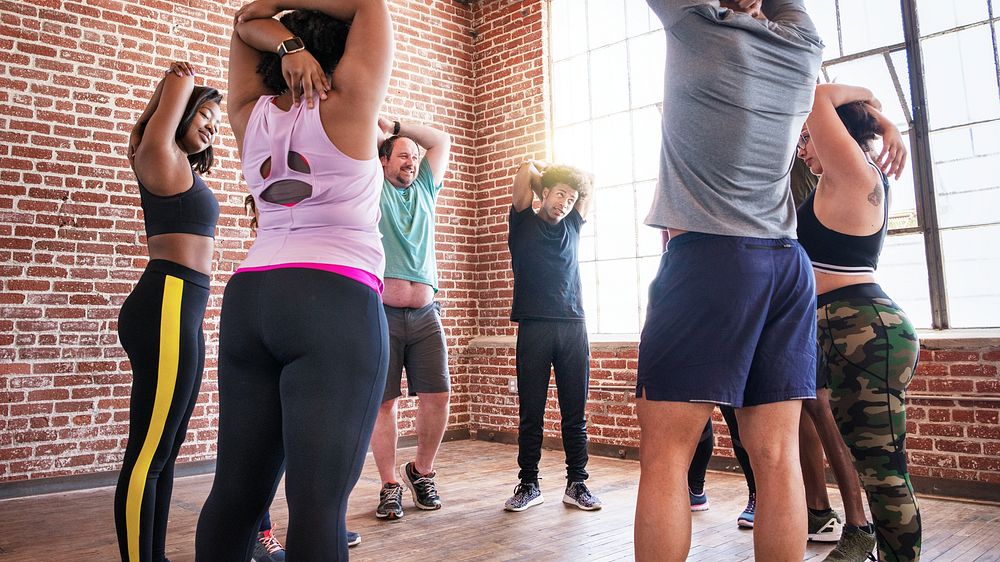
(270, 544)
(395, 494)
(521, 491)
(426, 485)
(751, 505)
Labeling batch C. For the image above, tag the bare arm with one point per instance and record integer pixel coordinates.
(437, 143)
(844, 163)
(135, 137)
(258, 30)
(892, 159)
(527, 184)
(159, 164)
(359, 81)
(583, 204)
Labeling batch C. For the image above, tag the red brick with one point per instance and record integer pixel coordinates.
(951, 446)
(980, 370)
(954, 355)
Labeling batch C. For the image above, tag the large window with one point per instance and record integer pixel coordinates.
(940, 262)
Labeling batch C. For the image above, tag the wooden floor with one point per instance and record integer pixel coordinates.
(474, 479)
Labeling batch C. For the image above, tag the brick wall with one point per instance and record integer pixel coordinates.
(952, 406)
(74, 75)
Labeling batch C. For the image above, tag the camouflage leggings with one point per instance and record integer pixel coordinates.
(869, 351)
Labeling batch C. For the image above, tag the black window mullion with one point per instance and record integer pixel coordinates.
(923, 169)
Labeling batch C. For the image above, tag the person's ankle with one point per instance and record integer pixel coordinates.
(417, 469)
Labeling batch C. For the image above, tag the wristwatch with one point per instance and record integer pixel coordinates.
(395, 128)
(289, 46)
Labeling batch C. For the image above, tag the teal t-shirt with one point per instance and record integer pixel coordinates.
(407, 227)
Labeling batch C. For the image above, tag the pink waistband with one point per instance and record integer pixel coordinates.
(359, 275)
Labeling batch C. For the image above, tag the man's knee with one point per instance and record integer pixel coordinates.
(388, 407)
(434, 398)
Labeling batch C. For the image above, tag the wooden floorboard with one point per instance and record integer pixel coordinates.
(474, 478)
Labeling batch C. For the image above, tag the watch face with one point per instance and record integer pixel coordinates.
(291, 45)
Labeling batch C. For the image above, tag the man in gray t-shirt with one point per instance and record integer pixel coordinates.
(731, 316)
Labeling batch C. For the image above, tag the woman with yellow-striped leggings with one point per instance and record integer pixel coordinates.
(160, 322)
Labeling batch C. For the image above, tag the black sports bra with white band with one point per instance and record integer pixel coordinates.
(837, 253)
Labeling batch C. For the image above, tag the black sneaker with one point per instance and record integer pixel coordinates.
(577, 494)
(353, 539)
(267, 549)
(390, 502)
(526, 494)
(422, 487)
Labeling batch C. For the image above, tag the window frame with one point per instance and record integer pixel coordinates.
(916, 114)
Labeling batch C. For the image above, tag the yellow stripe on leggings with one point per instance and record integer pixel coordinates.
(166, 379)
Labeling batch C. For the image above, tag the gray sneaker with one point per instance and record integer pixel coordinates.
(390, 502)
(579, 495)
(855, 545)
(526, 494)
(825, 527)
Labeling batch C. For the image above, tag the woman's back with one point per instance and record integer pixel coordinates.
(316, 204)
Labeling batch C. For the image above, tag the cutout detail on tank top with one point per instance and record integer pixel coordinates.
(287, 192)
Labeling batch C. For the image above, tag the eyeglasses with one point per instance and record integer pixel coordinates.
(803, 141)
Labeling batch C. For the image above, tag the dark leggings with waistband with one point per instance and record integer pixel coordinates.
(303, 355)
(703, 454)
(869, 349)
(160, 328)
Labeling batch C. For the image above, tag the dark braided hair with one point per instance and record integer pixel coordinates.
(859, 122)
(323, 36)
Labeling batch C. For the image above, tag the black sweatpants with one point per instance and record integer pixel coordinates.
(160, 328)
(303, 355)
(544, 346)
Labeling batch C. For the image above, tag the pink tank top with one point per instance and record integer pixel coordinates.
(319, 208)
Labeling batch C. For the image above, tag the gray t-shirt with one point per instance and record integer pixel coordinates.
(736, 93)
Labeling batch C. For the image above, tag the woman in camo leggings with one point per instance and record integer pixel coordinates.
(867, 346)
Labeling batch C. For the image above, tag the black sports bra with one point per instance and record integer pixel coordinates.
(195, 211)
(838, 253)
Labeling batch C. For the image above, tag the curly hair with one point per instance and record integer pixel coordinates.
(574, 177)
(323, 36)
(202, 161)
(859, 123)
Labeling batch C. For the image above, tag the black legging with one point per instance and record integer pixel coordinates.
(703, 454)
(303, 355)
(160, 328)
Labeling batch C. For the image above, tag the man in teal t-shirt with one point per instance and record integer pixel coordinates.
(416, 337)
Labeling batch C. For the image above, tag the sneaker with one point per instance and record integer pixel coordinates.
(745, 519)
(526, 494)
(825, 527)
(422, 487)
(390, 502)
(267, 549)
(855, 545)
(353, 539)
(579, 495)
(699, 502)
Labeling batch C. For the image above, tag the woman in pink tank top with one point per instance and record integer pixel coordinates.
(303, 340)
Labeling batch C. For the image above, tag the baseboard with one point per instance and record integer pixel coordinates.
(450, 435)
(949, 489)
(74, 482)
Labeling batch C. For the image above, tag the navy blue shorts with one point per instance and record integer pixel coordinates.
(731, 320)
